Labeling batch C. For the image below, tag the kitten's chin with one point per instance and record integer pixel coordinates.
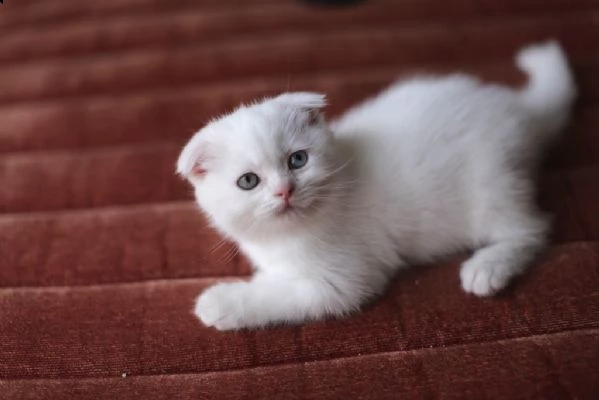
(299, 212)
(287, 213)
(281, 222)
(284, 211)
(284, 219)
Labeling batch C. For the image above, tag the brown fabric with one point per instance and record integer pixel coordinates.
(102, 251)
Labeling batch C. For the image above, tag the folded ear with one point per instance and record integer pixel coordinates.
(306, 100)
(191, 162)
(311, 103)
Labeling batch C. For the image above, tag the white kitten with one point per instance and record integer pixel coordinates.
(328, 214)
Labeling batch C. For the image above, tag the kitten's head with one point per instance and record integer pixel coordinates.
(265, 168)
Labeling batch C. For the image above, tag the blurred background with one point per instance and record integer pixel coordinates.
(102, 250)
(140, 76)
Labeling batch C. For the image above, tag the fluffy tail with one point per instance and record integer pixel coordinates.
(551, 90)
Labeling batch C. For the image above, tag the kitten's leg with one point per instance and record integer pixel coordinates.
(514, 244)
(269, 299)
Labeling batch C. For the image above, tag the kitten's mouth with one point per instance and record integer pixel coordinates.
(285, 209)
(296, 209)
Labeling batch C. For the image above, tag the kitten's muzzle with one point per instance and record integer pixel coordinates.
(285, 192)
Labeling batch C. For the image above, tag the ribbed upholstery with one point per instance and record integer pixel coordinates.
(102, 250)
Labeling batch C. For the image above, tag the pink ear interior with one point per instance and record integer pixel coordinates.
(314, 115)
(198, 170)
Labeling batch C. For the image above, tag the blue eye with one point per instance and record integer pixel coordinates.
(297, 159)
(248, 181)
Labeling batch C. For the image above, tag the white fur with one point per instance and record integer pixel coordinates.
(429, 167)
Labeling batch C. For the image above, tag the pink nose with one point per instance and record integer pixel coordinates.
(285, 192)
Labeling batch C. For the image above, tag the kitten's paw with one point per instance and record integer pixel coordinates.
(483, 277)
(221, 306)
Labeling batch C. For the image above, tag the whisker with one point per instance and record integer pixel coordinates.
(217, 246)
(231, 254)
(341, 167)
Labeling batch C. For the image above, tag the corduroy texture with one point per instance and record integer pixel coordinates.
(102, 251)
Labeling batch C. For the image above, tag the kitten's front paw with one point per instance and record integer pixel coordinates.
(221, 306)
(483, 277)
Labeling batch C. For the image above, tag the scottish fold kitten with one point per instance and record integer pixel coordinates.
(328, 213)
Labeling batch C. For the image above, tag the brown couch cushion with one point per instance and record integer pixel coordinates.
(102, 251)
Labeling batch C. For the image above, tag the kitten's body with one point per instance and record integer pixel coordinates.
(429, 167)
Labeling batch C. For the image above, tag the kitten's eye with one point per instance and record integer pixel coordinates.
(297, 159)
(248, 181)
